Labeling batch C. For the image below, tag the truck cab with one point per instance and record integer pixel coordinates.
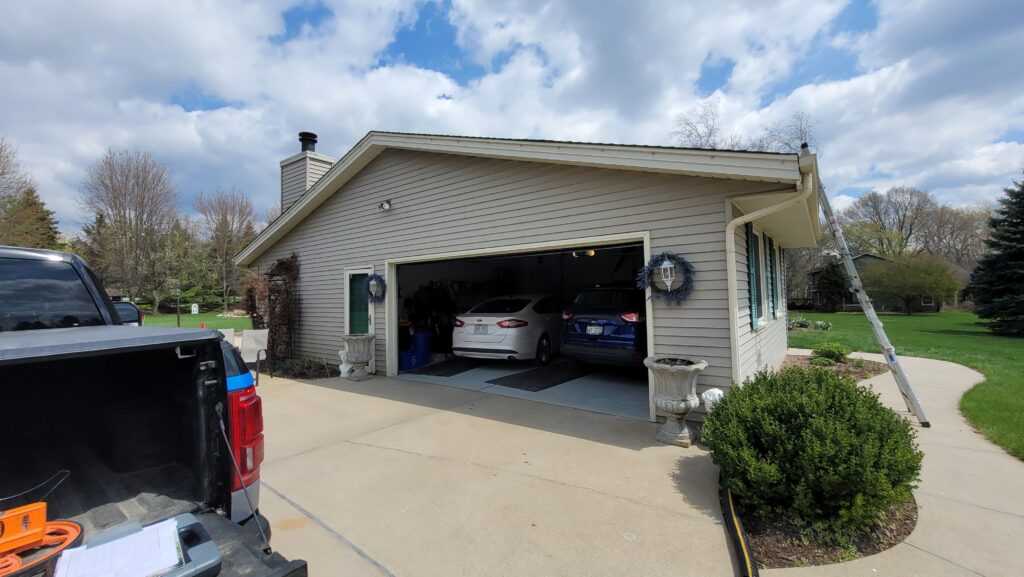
(142, 423)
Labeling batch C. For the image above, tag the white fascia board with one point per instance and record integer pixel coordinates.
(783, 168)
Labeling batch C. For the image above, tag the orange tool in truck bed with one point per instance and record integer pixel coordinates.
(27, 539)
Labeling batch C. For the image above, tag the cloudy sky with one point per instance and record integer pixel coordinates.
(927, 93)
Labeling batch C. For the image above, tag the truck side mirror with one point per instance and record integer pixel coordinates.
(129, 313)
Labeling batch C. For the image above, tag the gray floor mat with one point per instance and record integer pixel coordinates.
(448, 368)
(540, 378)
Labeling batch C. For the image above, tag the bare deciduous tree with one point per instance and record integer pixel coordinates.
(228, 222)
(957, 234)
(12, 180)
(133, 194)
(702, 128)
(898, 219)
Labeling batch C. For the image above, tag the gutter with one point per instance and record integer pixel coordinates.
(804, 188)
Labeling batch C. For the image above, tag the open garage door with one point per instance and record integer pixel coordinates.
(563, 325)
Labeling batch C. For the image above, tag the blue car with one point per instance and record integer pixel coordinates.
(606, 326)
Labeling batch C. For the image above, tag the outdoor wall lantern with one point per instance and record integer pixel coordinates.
(385, 206)
(669, 276)
(376, 288)
(666, 275)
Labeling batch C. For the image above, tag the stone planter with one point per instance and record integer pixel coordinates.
(675, 393)
(356, 352)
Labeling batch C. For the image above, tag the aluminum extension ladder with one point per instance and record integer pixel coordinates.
(857, 288)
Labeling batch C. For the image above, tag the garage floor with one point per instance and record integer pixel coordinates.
(602, 390)
(389, 477)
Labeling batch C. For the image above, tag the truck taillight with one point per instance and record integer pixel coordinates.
(246, 410)
(630, 317)
(460, 323)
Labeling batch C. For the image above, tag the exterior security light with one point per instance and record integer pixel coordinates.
(385, 206)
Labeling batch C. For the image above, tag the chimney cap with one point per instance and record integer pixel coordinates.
(308, 141)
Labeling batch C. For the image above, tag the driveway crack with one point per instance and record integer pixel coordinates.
(323, 525)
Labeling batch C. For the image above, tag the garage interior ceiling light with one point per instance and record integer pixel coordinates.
(586, 252)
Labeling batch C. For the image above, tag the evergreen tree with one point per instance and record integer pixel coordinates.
(998, 280)
(25, 221)
(94, 245)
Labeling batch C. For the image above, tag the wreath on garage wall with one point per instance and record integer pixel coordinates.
(376, 288)
(669, 276)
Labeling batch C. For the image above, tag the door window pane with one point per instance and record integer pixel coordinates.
(358, 304)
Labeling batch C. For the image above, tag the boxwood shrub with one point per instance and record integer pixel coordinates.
(813, 449)
(830, 350)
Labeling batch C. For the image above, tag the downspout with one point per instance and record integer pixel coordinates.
(804, 188)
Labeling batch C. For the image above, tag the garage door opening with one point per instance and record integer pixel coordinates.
(566, 326)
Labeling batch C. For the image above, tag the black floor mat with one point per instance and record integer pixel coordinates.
(541, 378)
(449, 368)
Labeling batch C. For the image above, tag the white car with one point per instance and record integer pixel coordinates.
(510, 327)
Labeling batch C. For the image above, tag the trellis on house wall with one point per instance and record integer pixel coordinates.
(282, 308)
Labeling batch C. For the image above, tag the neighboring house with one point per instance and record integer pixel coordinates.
(396, 200)
(882, 303)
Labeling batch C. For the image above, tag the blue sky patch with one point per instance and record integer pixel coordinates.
(310, 13)
(191, 99)
(430, 43)
(714, 74)
(822, 61)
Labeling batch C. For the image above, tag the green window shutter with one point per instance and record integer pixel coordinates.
(773, 295)
(753, 276)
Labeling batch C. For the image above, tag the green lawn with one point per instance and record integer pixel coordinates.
(995, 407)
(191, 321)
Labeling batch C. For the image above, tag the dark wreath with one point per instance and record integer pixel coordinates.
(377, 297)
(680, 277)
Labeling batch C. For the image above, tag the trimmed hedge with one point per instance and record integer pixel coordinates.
(830, 350)
(813, 448)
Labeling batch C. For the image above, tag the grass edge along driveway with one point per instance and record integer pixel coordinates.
(212, 320)
(995, 407)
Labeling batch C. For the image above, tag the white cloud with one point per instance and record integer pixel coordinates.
(841, 202)
(930, 105)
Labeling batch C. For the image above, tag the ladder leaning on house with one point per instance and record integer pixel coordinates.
(857, 288)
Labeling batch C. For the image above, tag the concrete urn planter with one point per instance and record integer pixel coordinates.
(356, 352)
(675, 393)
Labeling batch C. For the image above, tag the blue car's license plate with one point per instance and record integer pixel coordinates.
(595, 330)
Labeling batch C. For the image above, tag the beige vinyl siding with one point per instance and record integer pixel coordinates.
(446, 203)
(764, 348)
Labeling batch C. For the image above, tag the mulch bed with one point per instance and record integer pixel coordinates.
(777, 545)
(859, 369)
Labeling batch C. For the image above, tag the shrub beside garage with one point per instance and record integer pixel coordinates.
(811, 450)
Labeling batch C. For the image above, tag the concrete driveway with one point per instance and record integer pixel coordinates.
(393, 477)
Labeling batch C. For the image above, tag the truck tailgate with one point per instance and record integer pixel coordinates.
(241, 552)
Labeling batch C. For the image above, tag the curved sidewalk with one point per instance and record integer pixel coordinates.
(971, 495)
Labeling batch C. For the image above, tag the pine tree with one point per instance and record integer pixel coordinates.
(94, 245)
(25, 221)
(997, 281)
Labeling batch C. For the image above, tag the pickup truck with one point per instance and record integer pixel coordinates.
(141, 422)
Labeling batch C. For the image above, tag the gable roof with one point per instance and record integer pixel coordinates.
(730, 164)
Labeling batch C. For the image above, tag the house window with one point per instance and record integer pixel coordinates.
(927, 301)
(754, 276)
(771, 267)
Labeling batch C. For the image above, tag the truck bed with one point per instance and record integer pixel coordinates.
(98, 497)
